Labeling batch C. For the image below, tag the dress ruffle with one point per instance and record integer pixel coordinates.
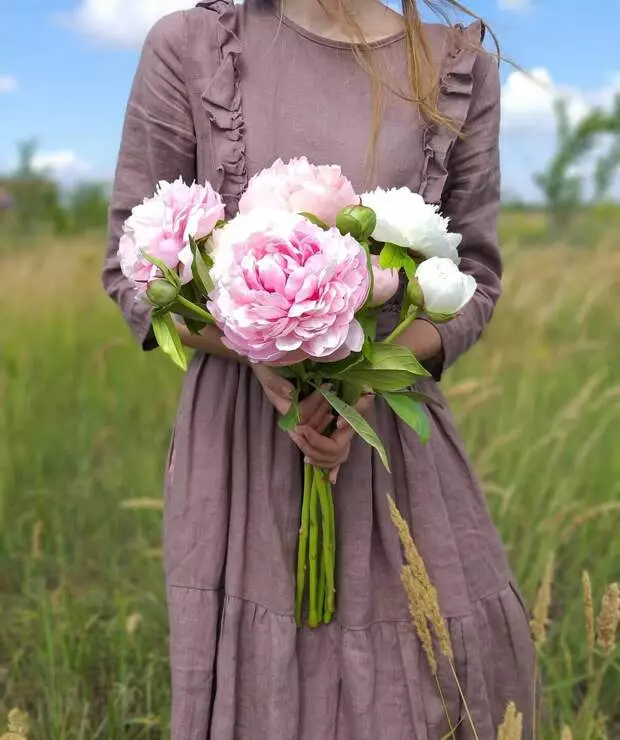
(222, 100)
(339, 682)
(456, 84)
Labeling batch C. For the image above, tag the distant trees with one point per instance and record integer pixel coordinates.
(32, 200)
(563, 183)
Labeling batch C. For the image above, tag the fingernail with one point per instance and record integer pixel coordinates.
(307, 460)
(326, 387)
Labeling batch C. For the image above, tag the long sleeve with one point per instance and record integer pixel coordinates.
(471, 200)
(158, 143)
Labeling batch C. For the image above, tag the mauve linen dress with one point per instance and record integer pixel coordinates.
(222, 91)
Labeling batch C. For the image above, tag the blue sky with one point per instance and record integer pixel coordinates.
(66, 67)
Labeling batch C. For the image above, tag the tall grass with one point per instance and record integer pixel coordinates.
(84, 428)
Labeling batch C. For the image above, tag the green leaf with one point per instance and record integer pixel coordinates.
(367, 350)
(396, 357)
(358, 423)
(381, 380)
(201, 266)
(410, 266)
(194, 327)
(168, 338)
(350, 392)
(411, 412)
(169, 274)
(391, 368)
(368, 319)
(338, 369)
(421, 398)
(391, 256)
(395, 257)
(292, 417)
(315, 220)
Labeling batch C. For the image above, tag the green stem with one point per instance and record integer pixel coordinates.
(413, 315)
(302, 547)
(322, 572)
(328, 543)
(196, 312)
(313, 614)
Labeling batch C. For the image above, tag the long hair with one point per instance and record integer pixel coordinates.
(423, 78)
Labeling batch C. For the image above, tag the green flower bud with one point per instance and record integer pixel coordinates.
(161, 293)
(414, 293)
(359, 221)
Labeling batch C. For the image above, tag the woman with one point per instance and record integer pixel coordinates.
(221, 91)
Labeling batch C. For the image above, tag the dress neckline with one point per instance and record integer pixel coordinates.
(335, 43)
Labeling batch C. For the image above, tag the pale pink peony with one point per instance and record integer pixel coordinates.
(385, 283)
(285, 289)
(161, 227)
(300, 187)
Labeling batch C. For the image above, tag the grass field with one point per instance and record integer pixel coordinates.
(84, 426)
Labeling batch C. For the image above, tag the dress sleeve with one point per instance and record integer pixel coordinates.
(471, 200)
(158, 143)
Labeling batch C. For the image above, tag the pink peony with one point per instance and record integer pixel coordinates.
(385, 283)
(300, 187)
(161, 227)
(284, 288)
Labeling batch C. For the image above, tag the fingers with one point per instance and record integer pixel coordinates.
(277, 389)
(326, 452)
(311, 408)
(333, 475)
(317, 420)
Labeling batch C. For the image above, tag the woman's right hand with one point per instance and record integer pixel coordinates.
(314, 411)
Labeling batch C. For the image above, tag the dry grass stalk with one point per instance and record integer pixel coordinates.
(608, 619)
(540, 620)
(512, 726)
(589, 614)
(421, 594)
(19, 725)
(137, 504)
(133, 623)
(36, 548)
(591, 513)
(567, 733)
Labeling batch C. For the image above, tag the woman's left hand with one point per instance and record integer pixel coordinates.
(331, 452)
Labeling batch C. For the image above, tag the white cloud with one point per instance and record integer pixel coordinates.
(8, 84)
(63, 164)
(528, 101)
(516, 6)
(529, 124)
(122, 22)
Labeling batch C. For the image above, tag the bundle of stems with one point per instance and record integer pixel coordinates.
(316, 550)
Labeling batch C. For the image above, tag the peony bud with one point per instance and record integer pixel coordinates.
(161, 293)
(358, 221)
(384, 285)
(446, 289)
(414, 293)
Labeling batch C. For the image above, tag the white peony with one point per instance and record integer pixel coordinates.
(446, 289)
(405, 219)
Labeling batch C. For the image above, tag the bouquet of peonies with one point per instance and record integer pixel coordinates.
(296, 280)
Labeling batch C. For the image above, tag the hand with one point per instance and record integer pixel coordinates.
(330, 452)
(314, 411)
